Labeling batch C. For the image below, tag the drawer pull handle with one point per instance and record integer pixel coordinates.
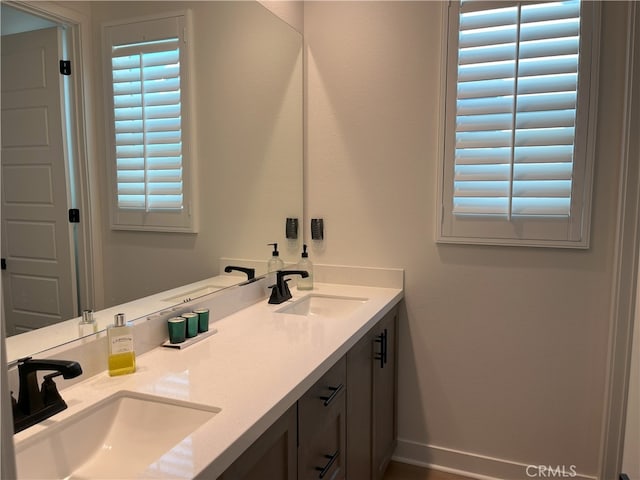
(334, 393)
(332, 458)
(382, 354)
(385, 345)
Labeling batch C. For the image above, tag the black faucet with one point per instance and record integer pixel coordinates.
(250, 272)
(34, 404)
(280, 291)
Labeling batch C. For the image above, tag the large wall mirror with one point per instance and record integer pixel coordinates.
(247, 116)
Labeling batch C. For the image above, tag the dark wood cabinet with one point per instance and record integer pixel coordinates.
(371, 401)
(322, 427)
(343, 427)
(274, 455)
(384, 397)
(360, 408)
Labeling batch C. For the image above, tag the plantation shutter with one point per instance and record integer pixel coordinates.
(147, 113)
(146, 63)
(514, 147)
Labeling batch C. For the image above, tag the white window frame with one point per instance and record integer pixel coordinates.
(138, 30)
(541, 231)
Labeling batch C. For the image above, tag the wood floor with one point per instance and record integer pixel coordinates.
(403, 471)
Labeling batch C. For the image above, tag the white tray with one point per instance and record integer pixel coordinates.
(190, 341)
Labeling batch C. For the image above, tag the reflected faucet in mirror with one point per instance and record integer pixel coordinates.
(250, 272)
(34, 403)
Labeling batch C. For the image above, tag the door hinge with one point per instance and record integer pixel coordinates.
(65, 67)
(74, 215)
(3, 264)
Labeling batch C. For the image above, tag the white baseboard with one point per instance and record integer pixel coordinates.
(474, 465)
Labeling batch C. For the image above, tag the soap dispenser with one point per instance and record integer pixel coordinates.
(122, 357)
(275, 262)
(305, 264)
(88, 324)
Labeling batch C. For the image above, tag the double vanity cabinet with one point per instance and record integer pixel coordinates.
(344, 426)
(302, 390)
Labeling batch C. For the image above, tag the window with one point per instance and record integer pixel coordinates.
(147, 65)
(519, 110)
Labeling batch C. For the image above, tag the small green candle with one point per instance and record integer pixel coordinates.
(203, 319)
(177, 329)
(192, 324)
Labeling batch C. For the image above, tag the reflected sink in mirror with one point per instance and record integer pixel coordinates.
(122, 436)
(193, 294)
(323, 306)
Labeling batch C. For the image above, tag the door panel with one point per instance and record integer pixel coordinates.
(36, 135)
(360, 364)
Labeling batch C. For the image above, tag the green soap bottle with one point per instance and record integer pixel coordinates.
(306, 265)
(122, 357)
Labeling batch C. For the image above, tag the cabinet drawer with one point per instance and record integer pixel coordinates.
(323, 457)
(322, 427)
(322, 402)
(274, 455)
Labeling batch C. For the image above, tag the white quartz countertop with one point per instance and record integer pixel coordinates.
(254, 368)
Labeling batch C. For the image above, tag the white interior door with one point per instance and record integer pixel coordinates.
(39, 285)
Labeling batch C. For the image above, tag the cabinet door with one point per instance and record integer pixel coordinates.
(272, 456)
(322, 427)
(384, 393)
(359, 408)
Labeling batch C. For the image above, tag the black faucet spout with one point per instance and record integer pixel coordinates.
(250, 272)
(68, 368)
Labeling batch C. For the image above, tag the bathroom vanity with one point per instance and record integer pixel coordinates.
(345, 424)
(298, 390)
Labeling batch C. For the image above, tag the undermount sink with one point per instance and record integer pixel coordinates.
(192, 294)
(323, 306)
(120, 437)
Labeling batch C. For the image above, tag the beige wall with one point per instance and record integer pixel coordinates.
(503, 349)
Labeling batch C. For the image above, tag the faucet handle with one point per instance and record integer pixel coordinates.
(49, 391)
(275, 297)
(285, 289)
(275, 294)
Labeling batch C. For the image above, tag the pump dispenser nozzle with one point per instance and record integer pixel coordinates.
(305, 283)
